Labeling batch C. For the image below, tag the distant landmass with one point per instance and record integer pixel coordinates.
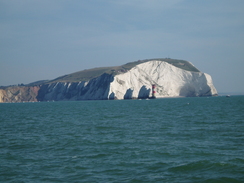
(150, 78)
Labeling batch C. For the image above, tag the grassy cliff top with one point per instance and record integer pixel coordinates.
(88, 74)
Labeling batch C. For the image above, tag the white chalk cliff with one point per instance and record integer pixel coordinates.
(130, 81)
(135, 83)
(170, 81)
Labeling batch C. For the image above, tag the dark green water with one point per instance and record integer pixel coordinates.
(162, 140)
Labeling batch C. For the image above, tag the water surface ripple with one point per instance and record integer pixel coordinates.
(162, 140)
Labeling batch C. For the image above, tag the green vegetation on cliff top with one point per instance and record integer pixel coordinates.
(88, 74)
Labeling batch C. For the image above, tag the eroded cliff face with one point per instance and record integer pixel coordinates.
(170, 81)
(95, 89)
(19, 94)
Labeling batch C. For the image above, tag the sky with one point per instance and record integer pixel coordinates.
(45, 39)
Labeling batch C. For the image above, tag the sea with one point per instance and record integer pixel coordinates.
(199, 139)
